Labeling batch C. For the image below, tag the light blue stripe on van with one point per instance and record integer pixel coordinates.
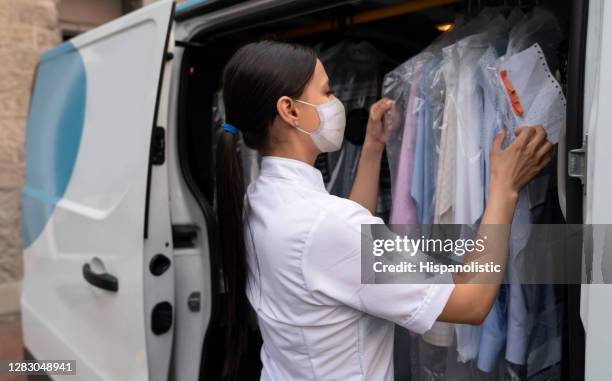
(187, 5)
(53, 134)
(56, 51)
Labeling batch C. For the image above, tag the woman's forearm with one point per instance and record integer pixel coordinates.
(475, 294)
(365, 186)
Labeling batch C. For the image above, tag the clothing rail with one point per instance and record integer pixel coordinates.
(365, 17)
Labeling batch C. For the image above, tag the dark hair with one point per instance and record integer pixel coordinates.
(256, 76)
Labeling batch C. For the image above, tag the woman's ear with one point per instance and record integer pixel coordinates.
(286, 109)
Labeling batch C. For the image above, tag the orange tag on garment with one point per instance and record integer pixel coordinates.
(514, 99)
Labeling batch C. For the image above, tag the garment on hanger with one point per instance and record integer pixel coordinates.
(469, 182)
(355, 71)
(486, 78)
(403, 86)
(425, 165)
(537, 90)
(423, 188)
(445, 179)
(493, 337)
(529, 69)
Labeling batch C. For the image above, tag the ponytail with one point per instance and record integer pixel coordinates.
(230, 207)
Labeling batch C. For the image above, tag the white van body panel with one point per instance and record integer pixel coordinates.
(98, 211)
(596, 308)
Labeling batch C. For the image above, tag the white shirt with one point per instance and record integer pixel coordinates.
(469, 197)
(317, 320)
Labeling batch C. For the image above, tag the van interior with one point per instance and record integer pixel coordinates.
(397, 28)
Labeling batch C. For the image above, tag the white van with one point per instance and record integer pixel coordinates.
(122, 267)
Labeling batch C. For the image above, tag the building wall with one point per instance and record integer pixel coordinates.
(27, 28)
(77, 16)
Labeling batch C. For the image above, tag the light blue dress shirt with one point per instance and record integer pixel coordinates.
(423, 187)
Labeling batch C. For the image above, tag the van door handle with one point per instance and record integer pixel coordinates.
(103, 280)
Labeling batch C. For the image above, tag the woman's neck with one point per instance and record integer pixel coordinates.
(295, 153)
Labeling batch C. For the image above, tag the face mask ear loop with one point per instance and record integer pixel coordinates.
(301, 101)
(304, 131)
(296, 126)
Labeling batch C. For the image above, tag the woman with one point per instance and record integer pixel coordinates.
(294, 250)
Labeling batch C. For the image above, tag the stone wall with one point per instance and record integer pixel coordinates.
(27, 28)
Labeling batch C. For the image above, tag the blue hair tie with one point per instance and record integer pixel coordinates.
(229, 128)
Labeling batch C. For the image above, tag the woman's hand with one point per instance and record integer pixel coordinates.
(376, 136)
(512, 168)
(365, 187)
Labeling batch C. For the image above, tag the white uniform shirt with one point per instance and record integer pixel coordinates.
(317, 320)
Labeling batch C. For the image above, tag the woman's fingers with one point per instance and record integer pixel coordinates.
(532, 140)
(538, 147)
(516, 165)
(543, 163)
(537, 140)
(543, 150)
(498, 140)
(376, 135)
(523, 136)
(378, 108)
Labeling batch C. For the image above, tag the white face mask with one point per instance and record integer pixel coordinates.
(328, 137)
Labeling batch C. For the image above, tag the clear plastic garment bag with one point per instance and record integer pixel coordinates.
(495, 71)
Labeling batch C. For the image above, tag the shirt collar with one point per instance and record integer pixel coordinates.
(291, 169)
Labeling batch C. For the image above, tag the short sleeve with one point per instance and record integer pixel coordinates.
(332, 271)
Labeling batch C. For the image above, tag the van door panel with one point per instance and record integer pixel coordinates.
(88, 137)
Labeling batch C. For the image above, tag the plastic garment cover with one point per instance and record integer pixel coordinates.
(491, 121)
(403, 86)
(493, 336)
(540, 26)
(426, 159)
(445, 177)
(540, 101)
(445, 180)
(355, 72)
(487, 80)
(413, 86)
(469, 182)
(429, 122)
(415, 127)
(512, 344)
